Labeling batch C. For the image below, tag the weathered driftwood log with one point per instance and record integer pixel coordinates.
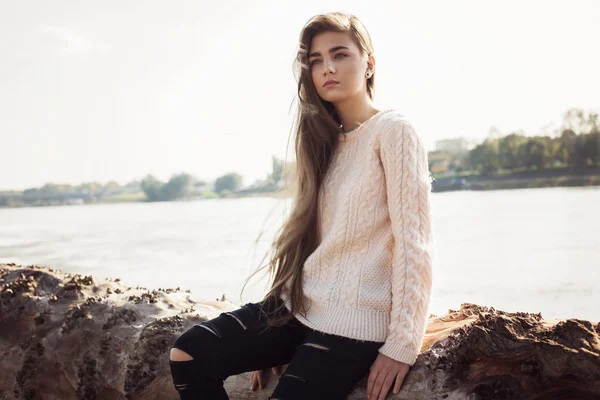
(66, 336)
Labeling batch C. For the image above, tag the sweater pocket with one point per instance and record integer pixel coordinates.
(375, 290)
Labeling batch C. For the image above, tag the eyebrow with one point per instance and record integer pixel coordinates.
(331, 50)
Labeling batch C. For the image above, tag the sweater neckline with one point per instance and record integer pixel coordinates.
(347, 136)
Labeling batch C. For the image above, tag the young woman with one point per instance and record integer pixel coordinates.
(352, 264)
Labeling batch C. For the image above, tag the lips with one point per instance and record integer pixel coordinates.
(330, 83)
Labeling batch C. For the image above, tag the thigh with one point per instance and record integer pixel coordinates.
(326, 367)
(240, 341)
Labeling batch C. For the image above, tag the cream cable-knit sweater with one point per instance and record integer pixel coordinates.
(370, 277)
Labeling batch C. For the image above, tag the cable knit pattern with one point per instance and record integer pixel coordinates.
(370, 276)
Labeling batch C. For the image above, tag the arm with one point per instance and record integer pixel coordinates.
(408, 186)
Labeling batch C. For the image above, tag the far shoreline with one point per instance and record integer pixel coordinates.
(442, 184)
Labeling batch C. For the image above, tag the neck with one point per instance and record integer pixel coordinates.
(354, 112)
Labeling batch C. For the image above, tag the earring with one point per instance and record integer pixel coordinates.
(368, 74)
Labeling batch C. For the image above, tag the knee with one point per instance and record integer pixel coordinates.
(179, 355)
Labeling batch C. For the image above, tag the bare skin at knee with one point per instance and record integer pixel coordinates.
(318, 346)
(178, 355)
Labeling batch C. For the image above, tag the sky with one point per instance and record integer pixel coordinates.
(113, 91)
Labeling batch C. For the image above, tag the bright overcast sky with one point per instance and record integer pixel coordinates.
(113, 90)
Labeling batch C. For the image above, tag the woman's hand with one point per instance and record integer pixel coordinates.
(383, 373)
(259, 378)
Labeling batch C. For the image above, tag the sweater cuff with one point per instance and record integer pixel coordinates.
(399, 352)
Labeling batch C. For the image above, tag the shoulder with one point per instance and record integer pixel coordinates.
(395, 129)
(400, 144)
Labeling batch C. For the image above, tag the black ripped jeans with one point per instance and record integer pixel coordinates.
(321, 366)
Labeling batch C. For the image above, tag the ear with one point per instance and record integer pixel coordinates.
(371, 63)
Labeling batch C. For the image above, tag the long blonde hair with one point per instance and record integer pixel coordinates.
(317, 129)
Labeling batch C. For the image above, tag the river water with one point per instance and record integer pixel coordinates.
(533, 250)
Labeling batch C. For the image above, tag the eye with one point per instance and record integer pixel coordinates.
(313, 62)
(340, 54)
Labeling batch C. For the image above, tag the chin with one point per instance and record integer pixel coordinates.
(333, 97)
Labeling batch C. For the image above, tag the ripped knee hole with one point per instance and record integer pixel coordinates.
(315, 345)
(211, 330)
(294, 376)
(177, 355)
(237, 319)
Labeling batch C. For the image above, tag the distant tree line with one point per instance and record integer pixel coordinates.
(179, 186)
(55, 194)
(183, 185)
(575, 144)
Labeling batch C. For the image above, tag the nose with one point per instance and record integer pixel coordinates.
(328, 68)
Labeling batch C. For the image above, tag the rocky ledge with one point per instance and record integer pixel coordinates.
(65, 336)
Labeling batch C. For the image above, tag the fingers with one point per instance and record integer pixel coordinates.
(398, 385)
(256, 381)
(371, 383)
(387, 384)
(381, 386)
(259, 378)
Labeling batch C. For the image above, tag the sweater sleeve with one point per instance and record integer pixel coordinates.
(408, 186)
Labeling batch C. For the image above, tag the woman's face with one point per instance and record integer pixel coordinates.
(335, 56)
